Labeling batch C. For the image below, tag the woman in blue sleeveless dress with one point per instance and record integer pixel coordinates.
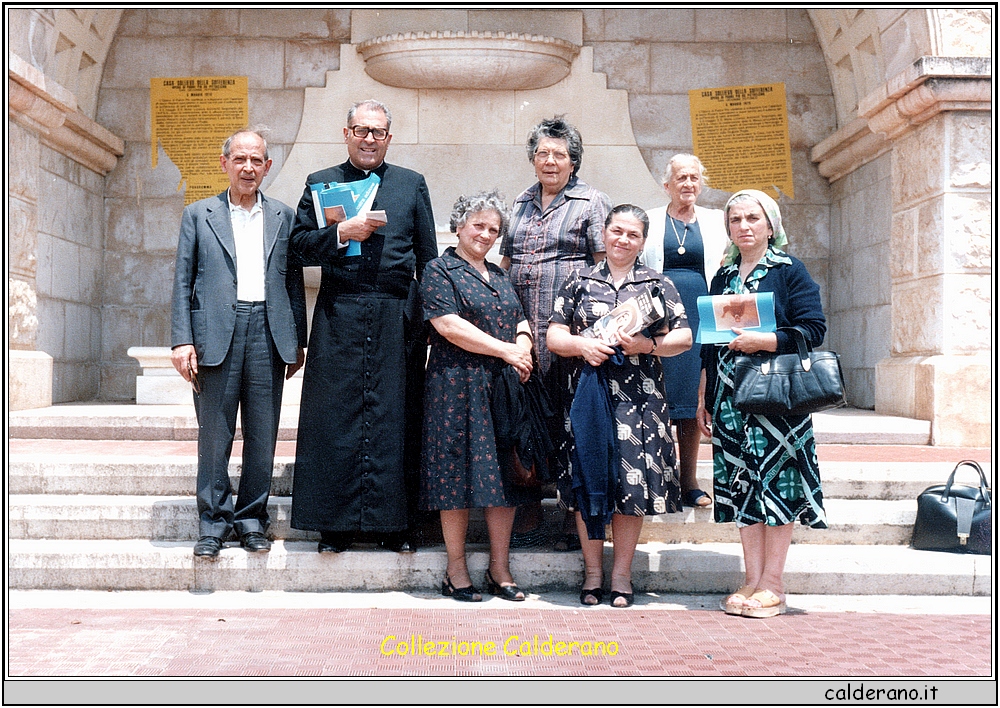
(686, 243)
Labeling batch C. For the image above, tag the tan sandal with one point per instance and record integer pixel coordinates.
(770, 605)
(733, 605)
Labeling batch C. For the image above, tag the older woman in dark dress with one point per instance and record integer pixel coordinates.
(766, 470)
(478, 327)
(645, 475)
(557, 227)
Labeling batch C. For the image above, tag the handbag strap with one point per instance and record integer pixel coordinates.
(800, 344)
(964, 509)
(984, 490)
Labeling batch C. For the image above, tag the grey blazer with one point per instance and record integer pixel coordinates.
(204, 298)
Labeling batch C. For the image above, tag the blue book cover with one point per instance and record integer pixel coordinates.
(334, 202)
(720, 313)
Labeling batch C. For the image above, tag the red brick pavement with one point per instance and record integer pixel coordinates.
(347, 642)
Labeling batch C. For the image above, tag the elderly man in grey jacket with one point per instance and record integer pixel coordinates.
(238, 329)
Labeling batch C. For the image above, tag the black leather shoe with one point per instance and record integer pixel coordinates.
(335, 542)
(507, 592)
(398, 543)
(255, 542)
(208, 547)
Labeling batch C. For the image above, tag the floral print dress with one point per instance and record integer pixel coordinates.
(460, 467)
(765, 467)
(647, 477)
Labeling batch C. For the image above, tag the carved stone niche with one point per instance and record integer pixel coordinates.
(468, 60)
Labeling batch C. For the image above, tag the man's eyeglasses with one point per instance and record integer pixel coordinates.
(544, 155)
(362, 131)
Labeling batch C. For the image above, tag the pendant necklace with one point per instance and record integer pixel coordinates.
(680, 241)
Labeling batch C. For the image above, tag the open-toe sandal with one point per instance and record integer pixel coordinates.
(770, 605)
(733, 604)
(696, 498)
(508, 592)
(596, 593)
(629, 598)
(466, 594)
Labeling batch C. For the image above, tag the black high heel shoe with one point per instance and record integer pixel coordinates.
(596, 593)
(466, 594)
(507, 592)
(627, 596)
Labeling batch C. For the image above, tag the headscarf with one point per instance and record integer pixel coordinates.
(771, 211)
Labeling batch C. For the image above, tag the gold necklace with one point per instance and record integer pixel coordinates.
(680, 241)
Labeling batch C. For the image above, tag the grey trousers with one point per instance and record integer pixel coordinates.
(251, 379)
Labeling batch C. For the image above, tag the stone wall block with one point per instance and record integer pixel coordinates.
(161, 225)
(22, 238)
(22, 317)
(230, 57)
(280, 111)
(966, 32)
(307, 61)
(801, 67)
(134, 178)
(50, 337)
(298, 23)
(860, 388)
(133, 23)
(625, 63)
(562, 24)
(740, 25)
(871, 277)
(968, 243)
(878, 335)
(45, 266)
(930, 237)
(916, 164)
(118, 381)
(22, 163)
(125, 112)
(194, 22)
(65, 270)
(679, 67)
(808, 229)
(141, 279)
(902, 247)
(78, 333)
(29, 380)
(660, 120)
(133, 61)
(799, 27)
(918, 314)
(674, 25)
(810, 119)
(53, 197)
(120, 328)
(967, 328)
(810, 186)
(91, 274)
(970, 150)
(124, 224)
(841, 282)
(903, 39)
(484, 117)
(593, 25)
(155, 327)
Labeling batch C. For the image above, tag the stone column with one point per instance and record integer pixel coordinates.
(937, 117)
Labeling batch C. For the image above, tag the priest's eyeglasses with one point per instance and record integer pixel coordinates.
(362, 131)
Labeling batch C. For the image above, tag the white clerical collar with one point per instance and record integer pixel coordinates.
(361, 169)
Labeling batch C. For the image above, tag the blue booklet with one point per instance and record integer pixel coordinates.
(334, 202)
(720, 313)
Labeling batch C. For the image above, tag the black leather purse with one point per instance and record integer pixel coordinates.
(788, 384)
(955, 517)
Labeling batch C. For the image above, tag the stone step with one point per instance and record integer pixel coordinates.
(103, 517)
(294, 566)
(174, 475)
(113, 421)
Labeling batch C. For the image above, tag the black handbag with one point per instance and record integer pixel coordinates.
(955, 517)
(788, 384)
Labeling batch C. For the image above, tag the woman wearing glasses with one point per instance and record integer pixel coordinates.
(556, 228)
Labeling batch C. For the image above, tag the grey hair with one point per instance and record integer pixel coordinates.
(483, 201)
(631, 210)
(560, 129)
(372, 105)
(684, 157)
(259, 131)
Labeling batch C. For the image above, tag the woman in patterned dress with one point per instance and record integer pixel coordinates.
(765, 467)
(645, 475)
(556, 227)
(477, 328)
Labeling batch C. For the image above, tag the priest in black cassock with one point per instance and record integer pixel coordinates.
(364, 369)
